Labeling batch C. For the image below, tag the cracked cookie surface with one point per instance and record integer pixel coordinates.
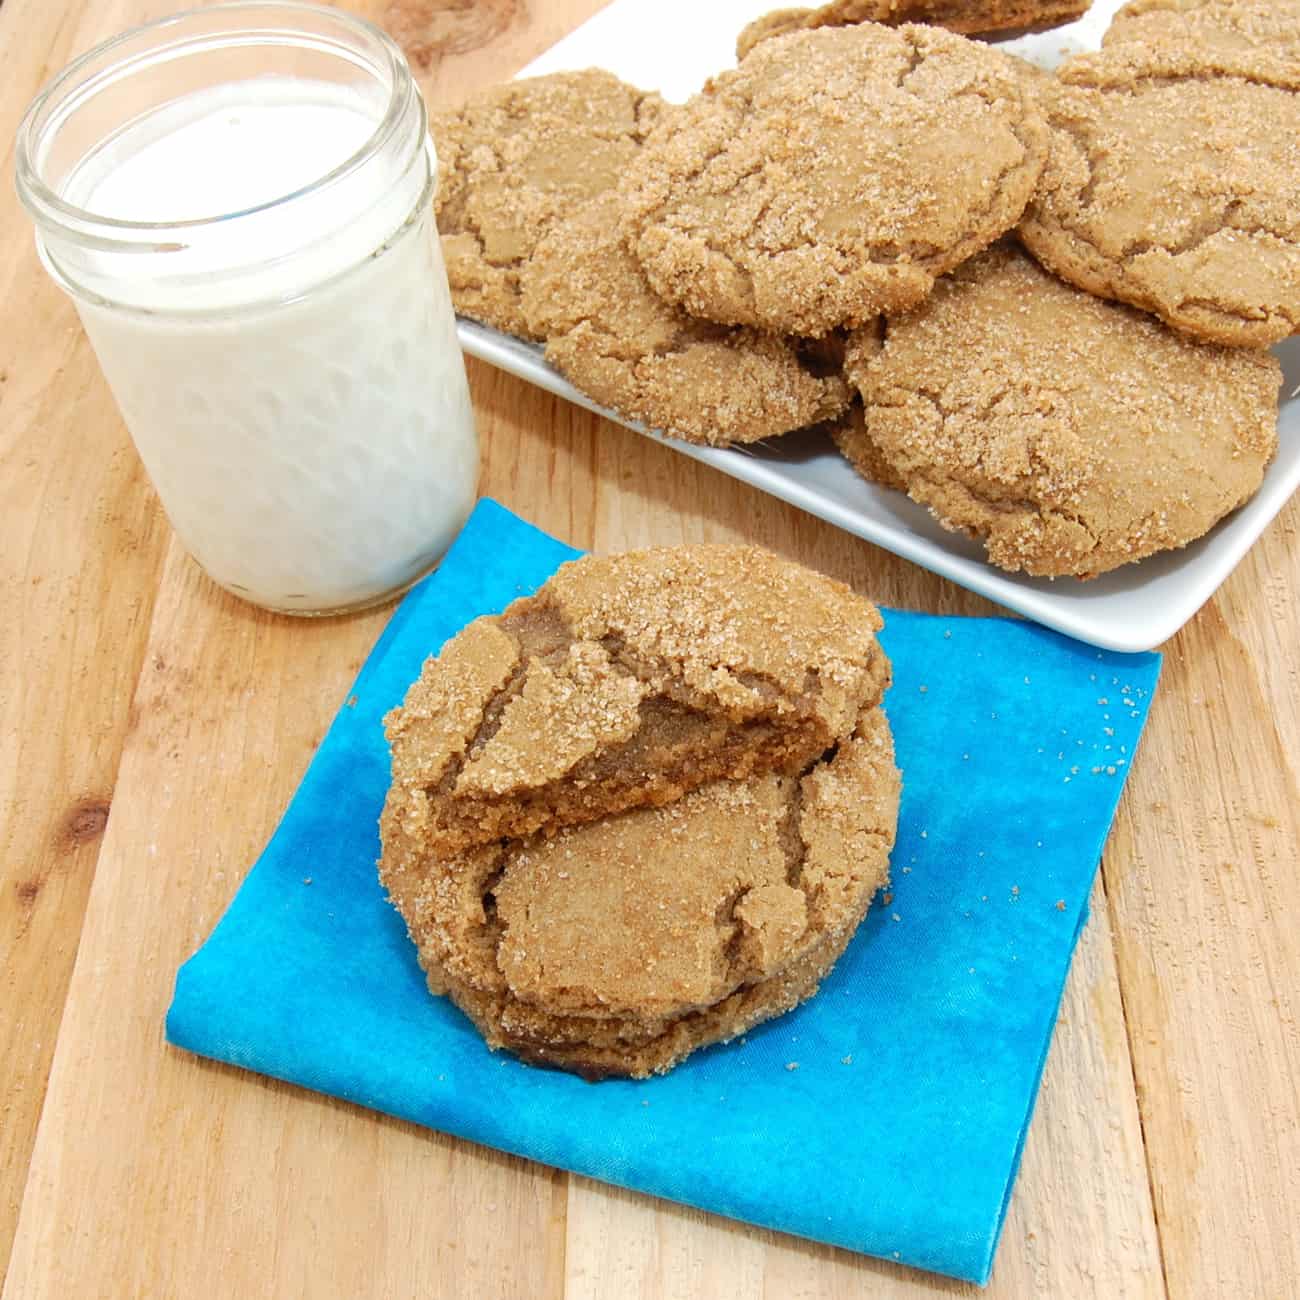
(965, 16)
(1071, 434)
(513, 159)
(609, 333)
(1262, 29)
(619, 946)
(832, 176)
(627, 681)
(1173, 184)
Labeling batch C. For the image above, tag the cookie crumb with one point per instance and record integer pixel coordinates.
(889, 898)
(846, 1060)
(792, 1065)
(306, 880)
(352, 701)
(1060, 905)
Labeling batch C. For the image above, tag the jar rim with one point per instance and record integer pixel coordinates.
(50, 210)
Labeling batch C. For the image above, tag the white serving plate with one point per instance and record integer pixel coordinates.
(672, 46)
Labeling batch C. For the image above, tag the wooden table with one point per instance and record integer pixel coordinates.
(152, 730)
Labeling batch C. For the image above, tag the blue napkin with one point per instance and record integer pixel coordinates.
(887, 1115)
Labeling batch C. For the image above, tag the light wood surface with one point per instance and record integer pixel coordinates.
(152, 730)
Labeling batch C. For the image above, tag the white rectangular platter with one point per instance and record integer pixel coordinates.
(673, 46)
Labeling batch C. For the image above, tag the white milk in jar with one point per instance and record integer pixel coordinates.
(255, 263)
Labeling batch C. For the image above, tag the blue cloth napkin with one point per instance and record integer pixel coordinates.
(887, 1115)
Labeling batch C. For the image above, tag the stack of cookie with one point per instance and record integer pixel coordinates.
(830, 234)
(646, 808)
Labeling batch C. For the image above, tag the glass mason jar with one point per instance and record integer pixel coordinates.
(238, 198)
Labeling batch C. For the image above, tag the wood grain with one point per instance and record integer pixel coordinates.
(77, 520)
(1202, 875)
(279, 1192)
(153, 730)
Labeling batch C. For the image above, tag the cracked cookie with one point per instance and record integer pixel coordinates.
(629, 680)
(514, 158)
(1173, 185)
(965, 16)
(1267, 29)
(610, 334)
(833, 175)
(619, 946)
(1071, 434)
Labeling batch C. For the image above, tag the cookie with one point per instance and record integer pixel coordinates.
(621, 945)
(630, 680)
(639, 1056)
(1071, 434)
(1174, 184)
(861, 450)
(612, 336)
(965, 16)
(1267, 29)
(514, 158)
(832, 176)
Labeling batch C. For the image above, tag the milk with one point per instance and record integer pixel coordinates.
(290, 375)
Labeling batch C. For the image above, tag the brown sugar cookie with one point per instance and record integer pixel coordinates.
(628, 680)
(833, 175)
(860, 449)
(640, 1055)
(1174, 184)
(515, 157)
(965, 16)
(619, 946)
(610, 334)
(1268, 29)
(1071, 434)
